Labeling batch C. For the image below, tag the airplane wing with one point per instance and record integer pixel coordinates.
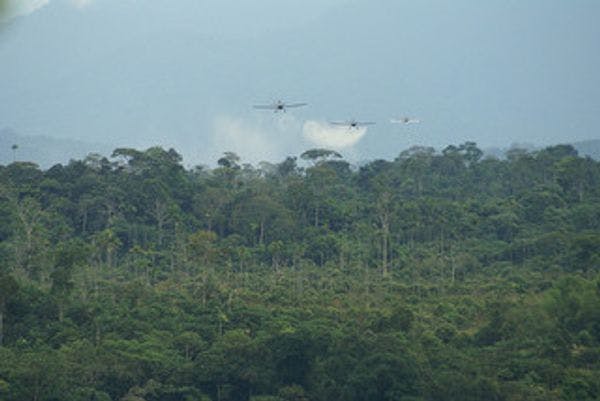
(404, 121)
(340, 123)
(365, 123)
(264, 106)
(295, 105)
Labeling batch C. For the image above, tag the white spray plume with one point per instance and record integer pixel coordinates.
(253, 140)
(327, 136)
(24, 7)
(81, 3)
(17, 8)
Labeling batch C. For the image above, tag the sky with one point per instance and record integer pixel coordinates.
(185, 73)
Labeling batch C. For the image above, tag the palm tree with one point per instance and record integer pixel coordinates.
(14, 149)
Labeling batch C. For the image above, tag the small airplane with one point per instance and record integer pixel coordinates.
(352, 124)
(278, 106)
(404, 120)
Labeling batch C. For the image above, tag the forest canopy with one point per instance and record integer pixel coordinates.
(433, 276)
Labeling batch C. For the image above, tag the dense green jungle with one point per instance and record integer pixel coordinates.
(435, 276)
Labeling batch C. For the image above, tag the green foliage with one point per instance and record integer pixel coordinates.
(435, 276)
(319, 154)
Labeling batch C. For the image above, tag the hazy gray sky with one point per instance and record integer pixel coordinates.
(185, 73)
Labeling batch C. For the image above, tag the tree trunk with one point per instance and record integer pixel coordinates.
(383, 208)
(384, 252)
(97, 334)
(261, 238)
(367, 287)
(204, 281)
(84, 221)
(1, 325)
(452, 266)
(384, 220)
(160, 214)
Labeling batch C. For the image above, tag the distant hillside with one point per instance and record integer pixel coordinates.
(501, 152)
(589, 148)
(45, 151)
